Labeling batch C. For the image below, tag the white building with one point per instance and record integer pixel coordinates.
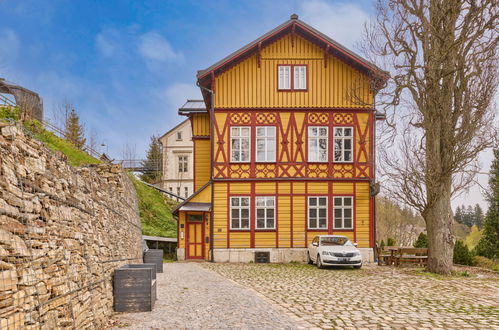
(178, 175)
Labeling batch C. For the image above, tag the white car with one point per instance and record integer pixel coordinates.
(333, 250)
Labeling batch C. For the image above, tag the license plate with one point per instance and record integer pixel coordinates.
(344, 259)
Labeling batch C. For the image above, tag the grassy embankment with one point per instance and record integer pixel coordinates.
(76, 157)
(155, 211)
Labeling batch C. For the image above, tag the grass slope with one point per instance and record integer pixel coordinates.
(76, 157)
(155, 211)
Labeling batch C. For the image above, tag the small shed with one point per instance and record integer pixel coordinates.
(157, 242)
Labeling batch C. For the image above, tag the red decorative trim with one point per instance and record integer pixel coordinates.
(245, 51)
(291, 216)
(276, 215)
(229, 215)
(200, 137)
(354, 220)
(252, 219)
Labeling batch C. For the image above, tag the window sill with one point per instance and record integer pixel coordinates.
(342, 229)
(317, 229)
(265, 230)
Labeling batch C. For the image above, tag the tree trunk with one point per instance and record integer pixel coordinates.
(438, 217)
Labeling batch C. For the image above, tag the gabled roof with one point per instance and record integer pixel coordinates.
(174, 128)
(294, 25)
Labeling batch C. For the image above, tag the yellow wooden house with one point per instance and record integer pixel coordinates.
(283, 149)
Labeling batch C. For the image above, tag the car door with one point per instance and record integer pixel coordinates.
(312, 250)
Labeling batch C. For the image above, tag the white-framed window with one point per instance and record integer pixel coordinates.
(343, 212)
(179, 136)
(284, 77)
(317, 143)
(265, 212)
(300, 77)
(292, 77)
(343, 144)
(265, 143)
(182, 164)
(240, 143)
(239, 212)
(186, 192)
(317, 213)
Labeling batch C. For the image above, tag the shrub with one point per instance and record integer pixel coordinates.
(462, 255)
(9, 113)
(382, 245)
(422, 241)
(483, 262)
(390, 242)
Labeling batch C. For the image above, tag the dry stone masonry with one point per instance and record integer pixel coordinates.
(63, 230)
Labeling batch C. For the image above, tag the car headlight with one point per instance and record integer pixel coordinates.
(356, 254)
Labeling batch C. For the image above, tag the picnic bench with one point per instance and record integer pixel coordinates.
(395, 255)
(386, 255)
(417, 256)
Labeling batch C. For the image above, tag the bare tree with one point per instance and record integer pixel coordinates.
(441, 55)
(61, 113)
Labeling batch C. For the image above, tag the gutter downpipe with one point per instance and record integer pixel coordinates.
(374, 177)
(212, 170)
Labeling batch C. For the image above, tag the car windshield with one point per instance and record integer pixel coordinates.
(330, 241)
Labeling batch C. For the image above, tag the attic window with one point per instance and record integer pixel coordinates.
(179, 136)
(292, 77)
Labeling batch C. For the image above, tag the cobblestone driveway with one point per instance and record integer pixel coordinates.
(190, 297)
(373, 297)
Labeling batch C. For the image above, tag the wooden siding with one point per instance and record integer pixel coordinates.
(202, 159)
(331, 84)
(291, 213)
(200, 125)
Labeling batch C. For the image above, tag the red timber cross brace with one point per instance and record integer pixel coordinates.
(292, 156)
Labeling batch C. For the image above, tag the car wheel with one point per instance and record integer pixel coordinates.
(319, 262)
(309, 260)
(357, 267)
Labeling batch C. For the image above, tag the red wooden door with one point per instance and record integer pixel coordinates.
(195, 240)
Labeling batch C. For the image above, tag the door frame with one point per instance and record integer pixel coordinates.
(187, 234)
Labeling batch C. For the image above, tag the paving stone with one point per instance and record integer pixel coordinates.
(373, 297)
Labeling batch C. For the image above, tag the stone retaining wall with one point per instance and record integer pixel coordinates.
(63, 231)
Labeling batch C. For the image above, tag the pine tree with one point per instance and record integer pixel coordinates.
(153, 162)
(75, 132)
(469, 216)
(422, 241)
(459, 214)
(478, 216)
(488, 246)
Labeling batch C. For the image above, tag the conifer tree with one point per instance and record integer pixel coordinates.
(422, 241)
(75, 132)
(488, 246)
(478, 216)
(152, 164)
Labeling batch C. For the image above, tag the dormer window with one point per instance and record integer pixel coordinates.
(292, 77)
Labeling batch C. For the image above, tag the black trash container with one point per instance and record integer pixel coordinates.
(154, 256)
(134, 288)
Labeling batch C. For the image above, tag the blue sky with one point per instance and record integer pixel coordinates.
(128, 65)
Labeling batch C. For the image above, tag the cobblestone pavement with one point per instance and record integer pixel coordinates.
(373, 297)
(191, 297)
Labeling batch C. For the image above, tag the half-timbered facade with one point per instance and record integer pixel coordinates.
(284, 149)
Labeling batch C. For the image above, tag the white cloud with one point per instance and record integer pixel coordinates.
(107, 42)
(177, 93)
(10, 45)
(153, 46)
(343, 22)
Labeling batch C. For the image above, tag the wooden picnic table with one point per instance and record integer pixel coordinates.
(400, 254)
